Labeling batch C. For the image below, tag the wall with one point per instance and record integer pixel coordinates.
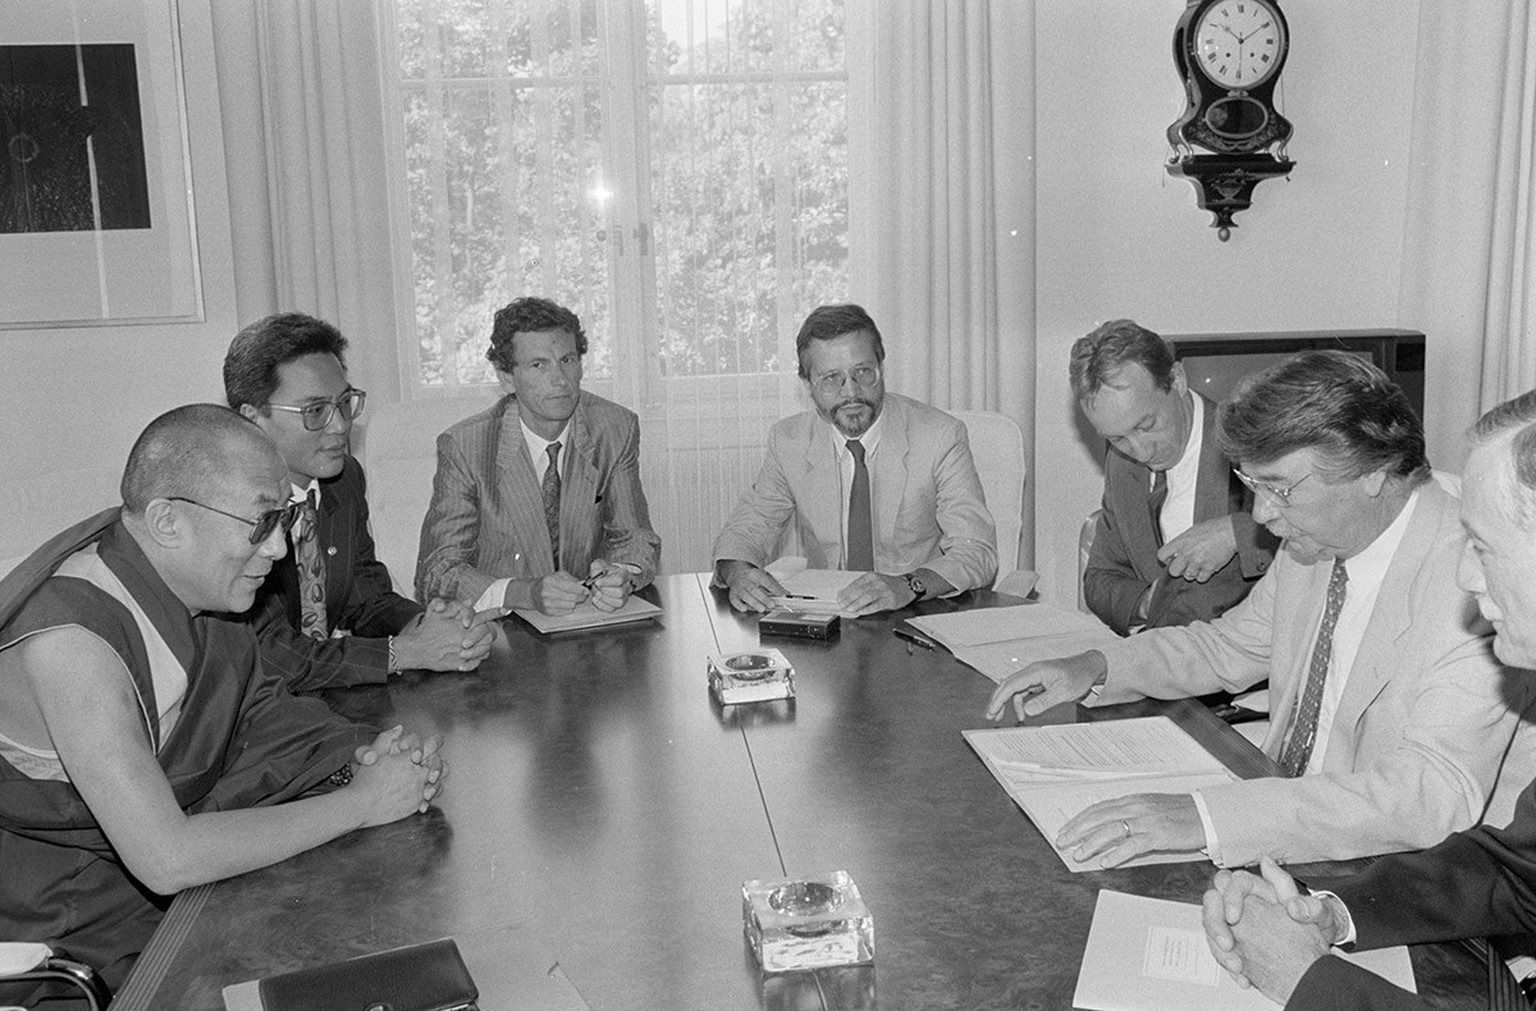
(1118, 237)
(74, 398)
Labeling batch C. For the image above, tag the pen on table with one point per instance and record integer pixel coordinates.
(798, 596)
(913, 638)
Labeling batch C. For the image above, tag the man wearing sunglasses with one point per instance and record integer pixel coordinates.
(328, 615)
(1390, 716)
(143, 748)
(876, 483)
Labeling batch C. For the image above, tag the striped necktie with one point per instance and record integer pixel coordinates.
(1303, 735)
(551, 488)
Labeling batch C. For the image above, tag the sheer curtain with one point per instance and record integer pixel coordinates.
(1473, 191)
(305, 156)
(941, 230)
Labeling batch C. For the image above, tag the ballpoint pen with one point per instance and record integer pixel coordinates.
(912, 638)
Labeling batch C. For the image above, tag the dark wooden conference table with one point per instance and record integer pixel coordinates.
(602, 813)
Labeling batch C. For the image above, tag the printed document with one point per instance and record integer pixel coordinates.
(1151, 955)
(1055, 772)
(1000, 640)
(587, 615)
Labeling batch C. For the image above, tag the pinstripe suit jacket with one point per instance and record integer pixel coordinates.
(359, 599)
(486, 520)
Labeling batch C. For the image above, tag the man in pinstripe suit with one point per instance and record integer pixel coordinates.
(537, 500)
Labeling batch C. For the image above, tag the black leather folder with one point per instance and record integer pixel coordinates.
(419, 977)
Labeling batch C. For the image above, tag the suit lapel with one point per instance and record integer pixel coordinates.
(822, 502)
(1214, 480)
(523, 505)
(578, 489)
(1299, 628)
(334, 539)
(891, 462)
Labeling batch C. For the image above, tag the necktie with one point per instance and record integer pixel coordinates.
(311, 565)
(861, 538)
(551, 488)
(1303, 734)
(1155, 503)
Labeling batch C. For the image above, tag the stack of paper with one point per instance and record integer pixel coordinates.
(813, 591)
(1000, 640)
(587, 615)
(1055, 772)
(1151, 955)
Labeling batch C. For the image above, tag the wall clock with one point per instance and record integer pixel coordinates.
(1230, 54)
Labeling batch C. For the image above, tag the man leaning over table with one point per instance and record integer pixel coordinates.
(327, 615)
(1175, 539)
(143, 747)
(1392, 721)
(1477, 883)
(875, 483)
(537, 500)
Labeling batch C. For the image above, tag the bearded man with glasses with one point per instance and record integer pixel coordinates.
(327, 615)
(1391, 719)
(873, 482)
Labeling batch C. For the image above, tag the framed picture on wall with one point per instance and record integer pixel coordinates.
(96, 207)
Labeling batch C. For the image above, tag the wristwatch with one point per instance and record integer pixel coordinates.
(915, 584)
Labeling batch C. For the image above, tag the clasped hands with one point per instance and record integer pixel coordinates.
(399, 773)
(448, 635)
(753, 588)
(1263, 931)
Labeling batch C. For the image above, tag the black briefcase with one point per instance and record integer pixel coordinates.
(419, 977)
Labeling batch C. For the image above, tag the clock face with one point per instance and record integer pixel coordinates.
(1239, 43)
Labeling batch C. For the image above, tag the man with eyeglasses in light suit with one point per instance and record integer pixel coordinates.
(905, 466)
(1390, 716)
(287, 373)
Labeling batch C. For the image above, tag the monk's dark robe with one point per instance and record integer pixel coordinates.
(226, 734)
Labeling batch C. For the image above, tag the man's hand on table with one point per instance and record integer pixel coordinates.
(1114, 831)
(1264, 932)
(872, 592)
(399, 773)
(1048, 683)
(448, 635)
(751, 588)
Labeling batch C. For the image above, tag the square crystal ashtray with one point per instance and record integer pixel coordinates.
(754, 676)
(813, 923)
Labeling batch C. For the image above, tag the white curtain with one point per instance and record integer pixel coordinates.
(941, 181)
(1469, 264)
(305, 150)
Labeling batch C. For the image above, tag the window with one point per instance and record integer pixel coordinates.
(675, 171)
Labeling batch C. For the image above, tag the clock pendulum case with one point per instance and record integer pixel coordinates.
(1231, 137)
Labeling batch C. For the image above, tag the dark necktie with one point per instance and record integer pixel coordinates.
(861, 538)
(551, 488)
(1298, 746)
(1155, 503)
(311, 565)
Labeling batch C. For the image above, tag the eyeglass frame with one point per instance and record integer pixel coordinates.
(820, 382)
(1280, 495)
(359, 397)
(263, 525)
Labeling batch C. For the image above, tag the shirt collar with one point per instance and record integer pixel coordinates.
(298, 494)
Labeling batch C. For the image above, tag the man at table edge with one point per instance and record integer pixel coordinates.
(1392, 721)
(876, 483)
(144, 748)
(1478, 882)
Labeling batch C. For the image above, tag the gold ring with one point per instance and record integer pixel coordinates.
(1127, 826)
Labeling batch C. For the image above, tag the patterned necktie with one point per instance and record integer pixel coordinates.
(1298, 746)
(311, 565)
(1155, 503)
(861, 538)
(551, 488)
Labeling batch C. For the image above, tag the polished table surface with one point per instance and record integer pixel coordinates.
(602, 813)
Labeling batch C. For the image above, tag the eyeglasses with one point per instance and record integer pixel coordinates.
(319, 414)
(831, 383)
(1280, 495)
(263, 525)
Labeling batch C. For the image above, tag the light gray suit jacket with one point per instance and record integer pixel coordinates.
(1428, 737)
(486, 520)
(928, 503)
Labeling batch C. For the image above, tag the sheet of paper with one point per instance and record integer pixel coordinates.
(997, 660)
(1148, 954)
(588, 616)
(813, 590)
(1054, 773)
(984, 625)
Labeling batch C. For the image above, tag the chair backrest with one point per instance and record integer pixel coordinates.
(398, 447)
(997, 445)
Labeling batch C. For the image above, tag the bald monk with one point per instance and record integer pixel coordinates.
(142, 748)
